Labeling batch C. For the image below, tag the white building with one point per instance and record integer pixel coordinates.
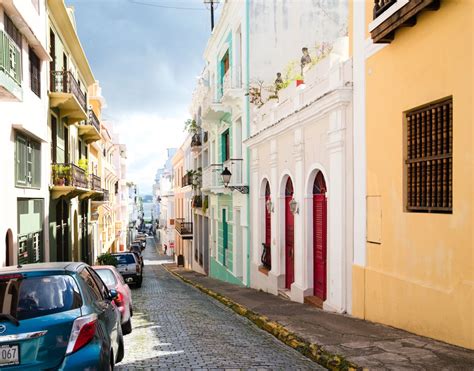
(24, 139)
(301, 177)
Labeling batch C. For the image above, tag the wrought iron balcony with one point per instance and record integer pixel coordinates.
(381, 6)
(266, 257)
(185, 229)
(390, 15)
(196, 140)
(69, 175)
(66, 94)
(197, 201)
(187, 180)
(95, 183)
(93, 120)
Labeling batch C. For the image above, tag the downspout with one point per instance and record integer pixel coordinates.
(247, 106)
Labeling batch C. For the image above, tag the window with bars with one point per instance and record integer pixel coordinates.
(429, 158)
(35, 73)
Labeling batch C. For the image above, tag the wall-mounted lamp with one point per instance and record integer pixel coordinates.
(226, 176)
(269, 206)
(294, 208)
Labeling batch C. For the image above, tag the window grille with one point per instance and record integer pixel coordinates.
(429, 158)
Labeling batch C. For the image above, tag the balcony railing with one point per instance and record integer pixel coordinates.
(235, 166)
(266, 257)
(381, 6)
(64, 82)
(196, 140)
(187, 180)
(211, 176)
(95, 183)
(69, 175)
(93, 120)
(197, 201)
(182, 227)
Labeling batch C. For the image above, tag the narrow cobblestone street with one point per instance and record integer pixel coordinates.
(177, 327)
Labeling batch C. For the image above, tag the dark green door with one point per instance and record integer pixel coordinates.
(225, 237)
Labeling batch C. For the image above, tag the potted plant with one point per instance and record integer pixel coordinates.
(107, 259)
(191, 126)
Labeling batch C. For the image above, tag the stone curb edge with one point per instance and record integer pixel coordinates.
(313, 351)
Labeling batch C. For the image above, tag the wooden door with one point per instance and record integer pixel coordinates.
(289, 237)
(66, 145)
(52, 53)
(320, 237)
(54, 138)
(319, 244)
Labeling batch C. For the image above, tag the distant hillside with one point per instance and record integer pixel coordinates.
(147, 198)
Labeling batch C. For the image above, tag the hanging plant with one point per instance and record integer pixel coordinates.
(191, 126)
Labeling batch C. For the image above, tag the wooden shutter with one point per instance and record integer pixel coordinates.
(21, 160)
(320, 244)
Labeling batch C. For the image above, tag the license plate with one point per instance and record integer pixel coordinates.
(9, 355)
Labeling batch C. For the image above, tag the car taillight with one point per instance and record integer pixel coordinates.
(82, 332)
(119, 299)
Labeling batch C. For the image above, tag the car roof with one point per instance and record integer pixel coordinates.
(52, 266)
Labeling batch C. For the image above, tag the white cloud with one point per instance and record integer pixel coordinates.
(147, 136)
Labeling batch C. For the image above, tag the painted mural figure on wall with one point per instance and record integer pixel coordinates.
(305, 59)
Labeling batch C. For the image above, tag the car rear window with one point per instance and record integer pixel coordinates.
(30, 297)
(107, 276)
(125, 259)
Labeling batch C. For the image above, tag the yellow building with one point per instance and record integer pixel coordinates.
(413, 260)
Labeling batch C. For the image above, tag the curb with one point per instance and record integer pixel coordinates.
(313, 351)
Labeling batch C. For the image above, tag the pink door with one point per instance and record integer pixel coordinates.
(320, 236)
(289, 236)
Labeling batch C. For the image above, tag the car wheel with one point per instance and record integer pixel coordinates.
(111, 362)
(127, 327)
(121, 350)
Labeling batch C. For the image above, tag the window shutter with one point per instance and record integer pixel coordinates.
(36, 165)
(3, 52)
(17, 58)
(21, 158)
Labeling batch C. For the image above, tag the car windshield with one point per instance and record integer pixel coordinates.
(107, 276)
(30, 297)
(125, 259)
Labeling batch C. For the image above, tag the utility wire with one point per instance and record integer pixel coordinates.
(154, 5)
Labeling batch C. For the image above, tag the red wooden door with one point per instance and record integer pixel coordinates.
(289, 237)
(319, 244)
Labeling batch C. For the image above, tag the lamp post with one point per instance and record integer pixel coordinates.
(211, 4)
(226, 176)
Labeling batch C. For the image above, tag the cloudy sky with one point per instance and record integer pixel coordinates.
(146, 56)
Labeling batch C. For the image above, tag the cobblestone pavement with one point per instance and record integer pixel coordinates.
(177, 327)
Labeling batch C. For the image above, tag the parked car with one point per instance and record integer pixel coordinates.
(137, 250)
(141, 241)
(129, 267)
(112, 278)
(58, 316)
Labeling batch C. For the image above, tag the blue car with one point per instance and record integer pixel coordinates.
(57, 316)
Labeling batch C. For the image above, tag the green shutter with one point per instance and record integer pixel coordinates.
(36, 165)
(3, 52)
(21, 159)
(17, 58)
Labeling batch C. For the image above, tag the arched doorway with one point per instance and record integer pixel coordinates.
(320, 236)
(266, 254)
(62, 230)
(9, 248)
(289, 236)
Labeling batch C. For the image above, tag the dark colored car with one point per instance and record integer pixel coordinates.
(137, 250)
(58, 316)
(129, 267)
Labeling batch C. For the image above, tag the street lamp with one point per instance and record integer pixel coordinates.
(294, 207)
(226, 176)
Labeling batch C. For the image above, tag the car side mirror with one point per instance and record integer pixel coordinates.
(113, 294)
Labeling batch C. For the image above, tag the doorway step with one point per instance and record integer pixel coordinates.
(314, 301)
(284, 293)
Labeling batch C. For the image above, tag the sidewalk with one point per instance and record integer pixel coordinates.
(323, 335)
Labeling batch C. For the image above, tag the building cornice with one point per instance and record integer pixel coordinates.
(314, 111)
(58, 12)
